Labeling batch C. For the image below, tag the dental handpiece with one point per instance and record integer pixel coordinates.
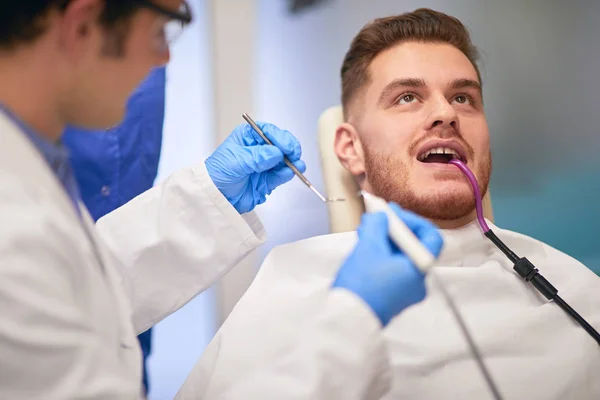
(399, 233)
(412, 247)
(289, 163)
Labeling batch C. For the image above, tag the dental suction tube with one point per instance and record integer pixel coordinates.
(522, 265)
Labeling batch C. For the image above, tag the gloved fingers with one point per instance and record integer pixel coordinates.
(256, 159)
(260, 186)
(426, 231)
(299, 164)
(415, 279)
(282, 174)
(260, 200)
(287, 143)
(373, 233)
(433, 241)
(414, 221)
(245, 135)
(407, 276)
(410, 272)
(284, 140)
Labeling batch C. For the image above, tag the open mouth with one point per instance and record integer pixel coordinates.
(440, 155)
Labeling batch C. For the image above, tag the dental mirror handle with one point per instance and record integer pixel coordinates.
(285, 159)
(401, 234)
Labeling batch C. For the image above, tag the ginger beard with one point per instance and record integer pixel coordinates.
(388, 176)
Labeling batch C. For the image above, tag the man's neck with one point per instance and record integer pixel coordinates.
(456, 223)
(28, 90)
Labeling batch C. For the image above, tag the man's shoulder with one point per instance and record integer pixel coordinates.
(316, 256)
(525, 242)
(333, 243)
(547, 258)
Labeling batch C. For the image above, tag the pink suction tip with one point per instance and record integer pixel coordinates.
(473, 181)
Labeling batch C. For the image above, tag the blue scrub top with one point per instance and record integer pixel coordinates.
(114, 166)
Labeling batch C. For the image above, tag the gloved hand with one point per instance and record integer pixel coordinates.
(381, 274)
(246, 170)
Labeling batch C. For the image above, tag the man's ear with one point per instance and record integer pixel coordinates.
(349, 149)
(78, 21)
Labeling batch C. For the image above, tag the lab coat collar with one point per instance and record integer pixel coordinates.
(55, 154)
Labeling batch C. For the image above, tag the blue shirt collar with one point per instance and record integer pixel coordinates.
(55, 154)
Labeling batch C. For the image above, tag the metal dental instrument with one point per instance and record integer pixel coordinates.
(289, 163)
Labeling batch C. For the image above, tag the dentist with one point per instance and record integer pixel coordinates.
(73, 295)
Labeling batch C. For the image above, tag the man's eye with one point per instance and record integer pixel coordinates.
(407, 98)
(460, 99)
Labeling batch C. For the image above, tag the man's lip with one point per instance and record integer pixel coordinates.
(456, 146)
(443, 166)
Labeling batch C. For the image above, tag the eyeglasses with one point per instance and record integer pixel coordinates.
(183, 14)
(169, 28)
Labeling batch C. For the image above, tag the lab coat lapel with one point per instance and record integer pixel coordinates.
(115, 282)
(14, 149)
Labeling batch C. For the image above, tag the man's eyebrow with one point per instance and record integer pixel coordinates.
(466, 83)
(417, 83)
(391, 87)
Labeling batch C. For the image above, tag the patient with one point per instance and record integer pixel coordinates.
(411, 92)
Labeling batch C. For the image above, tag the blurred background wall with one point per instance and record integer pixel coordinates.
(540, 61)
(188, 137)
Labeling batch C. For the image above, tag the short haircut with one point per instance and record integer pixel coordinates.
(422, 25)
(23, 21)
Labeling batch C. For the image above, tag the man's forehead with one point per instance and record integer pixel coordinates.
(434, 63)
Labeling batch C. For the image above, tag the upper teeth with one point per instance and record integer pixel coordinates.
(439, 150)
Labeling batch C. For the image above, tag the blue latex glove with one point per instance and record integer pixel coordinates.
(381, 274)
(246, 170)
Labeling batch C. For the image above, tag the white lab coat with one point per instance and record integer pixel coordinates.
(74, 296)
(532, 348)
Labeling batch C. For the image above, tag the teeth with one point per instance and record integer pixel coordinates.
(439, 150)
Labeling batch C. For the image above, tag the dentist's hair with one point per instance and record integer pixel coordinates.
(422, 25)
(24, 21)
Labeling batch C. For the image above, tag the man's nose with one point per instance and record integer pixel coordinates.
(163, 57)
(442, 114)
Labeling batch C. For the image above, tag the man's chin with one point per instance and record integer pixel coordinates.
(112, 118)
(446, 208)
(445, 204)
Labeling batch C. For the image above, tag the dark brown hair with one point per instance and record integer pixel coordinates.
(23, 21)
(422, 25)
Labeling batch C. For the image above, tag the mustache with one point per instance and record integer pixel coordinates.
(442, 134)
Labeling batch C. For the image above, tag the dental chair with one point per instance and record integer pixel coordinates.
(345, 216)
